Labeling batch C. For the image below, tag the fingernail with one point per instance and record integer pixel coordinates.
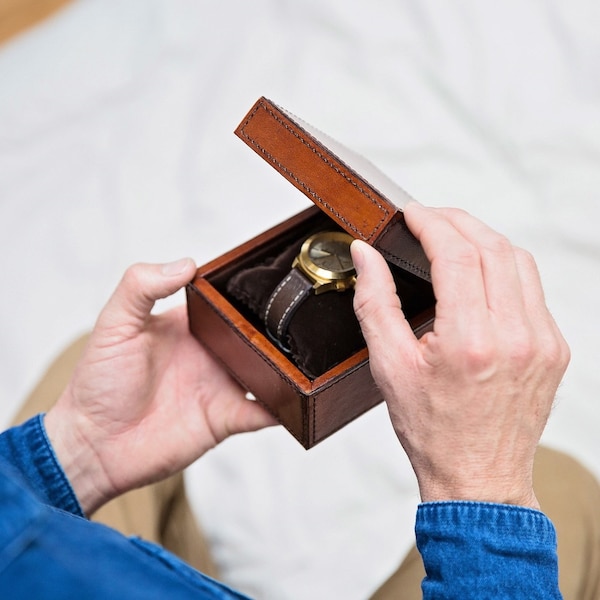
(176, 267)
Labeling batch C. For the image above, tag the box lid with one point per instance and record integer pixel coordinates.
(350, 189)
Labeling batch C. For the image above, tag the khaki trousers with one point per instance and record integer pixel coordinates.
(567, 492)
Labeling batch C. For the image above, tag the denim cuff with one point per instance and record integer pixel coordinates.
(28, 449)
(489, 519)
(486, 550)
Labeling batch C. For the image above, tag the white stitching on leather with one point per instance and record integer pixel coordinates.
(278, 289)
(287, 310)
(291, 305)
(325, 159)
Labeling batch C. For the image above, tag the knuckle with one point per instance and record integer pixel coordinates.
(479, 356)
(557, 353)
(522, 349)
(372, 302)
(524, 255)
(565, 353)
(455, 212)
(366, 307)
(135, 280)
(499, 244)
(464, 255)
(361, 297)
(362, 305)
(132, 275)
(549, 352)
(525, 259)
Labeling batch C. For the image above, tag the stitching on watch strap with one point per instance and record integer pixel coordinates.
(281, 326)
(278, 329)
(274, 295)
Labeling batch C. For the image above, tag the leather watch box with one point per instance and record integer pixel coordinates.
(310, 366)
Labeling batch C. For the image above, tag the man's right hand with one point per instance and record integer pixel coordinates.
(470, 399)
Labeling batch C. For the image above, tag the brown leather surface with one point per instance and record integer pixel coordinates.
(339, 191)
(311, 409)
(249, 358)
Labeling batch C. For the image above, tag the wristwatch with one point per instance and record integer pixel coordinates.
(324, 264)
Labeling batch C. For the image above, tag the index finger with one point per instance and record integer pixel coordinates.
(456, 269)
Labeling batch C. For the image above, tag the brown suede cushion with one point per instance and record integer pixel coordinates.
(324, 330)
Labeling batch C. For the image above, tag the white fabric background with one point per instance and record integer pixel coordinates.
(116, 146)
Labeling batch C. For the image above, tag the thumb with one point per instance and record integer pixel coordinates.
(377, 306)
(140, 287)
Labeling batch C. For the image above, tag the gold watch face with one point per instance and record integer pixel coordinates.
(325, 257)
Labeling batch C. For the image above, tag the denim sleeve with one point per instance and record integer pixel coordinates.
(480, 550)
(50, 554)
(27, 449)
(48, 551)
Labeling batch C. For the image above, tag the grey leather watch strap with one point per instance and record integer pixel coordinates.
(283, 303)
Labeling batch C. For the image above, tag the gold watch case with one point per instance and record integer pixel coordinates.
(325, 259)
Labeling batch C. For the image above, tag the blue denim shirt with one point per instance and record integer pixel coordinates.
(49, 550)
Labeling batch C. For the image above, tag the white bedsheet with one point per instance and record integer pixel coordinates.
(116, 146)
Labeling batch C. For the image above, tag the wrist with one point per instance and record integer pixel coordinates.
(79, 460)
(514, 491)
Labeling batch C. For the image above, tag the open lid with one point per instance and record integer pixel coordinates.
(346, 186)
